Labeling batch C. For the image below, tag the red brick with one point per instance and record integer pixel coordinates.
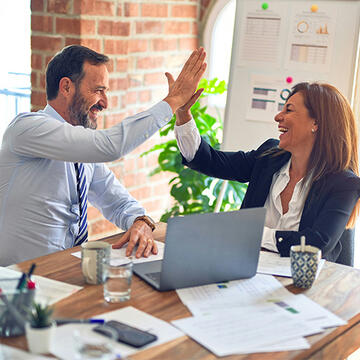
(177, 27)
(36, 61)
(145, 96)
(87, 27)
(152, 205)
(129, 165)
(164, 44)
(38, 98)
(118, 84)
(154, 78)
(94, 7)
(141, 193)
(113, 102)
(42, 23)
(37, 5)
(110, 65)
(115, 28)
(94, 44)
(67, 26)
(188, 44)
(48, 58)
(72, 41)
(131, 9)
(195, 29)
(150, 62)
(121, 65)
(41, 80)
(119, 10)
(129, 98)
(154, 10)
(75, 26)
(116, 47)
(129, 180)
(138, 46)
(47, 43)
(184, 11)
(135, 80)
(59, 6)
(34, 83)
(163, 189)
(149, 27)
(101, 226)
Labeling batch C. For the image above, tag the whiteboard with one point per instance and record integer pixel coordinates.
(275, 48)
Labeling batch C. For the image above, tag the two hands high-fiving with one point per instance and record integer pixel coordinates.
(182, 95)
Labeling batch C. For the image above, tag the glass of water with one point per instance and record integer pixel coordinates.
(118, 275)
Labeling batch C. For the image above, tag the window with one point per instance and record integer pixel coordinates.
(15, 61)
(218, 36)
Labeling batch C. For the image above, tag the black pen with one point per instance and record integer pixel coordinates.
(79, 321)
(21, 282)
(31, 270)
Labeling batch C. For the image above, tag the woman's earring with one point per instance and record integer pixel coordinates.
(313, 131)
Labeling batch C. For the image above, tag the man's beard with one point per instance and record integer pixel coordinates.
(79, 114)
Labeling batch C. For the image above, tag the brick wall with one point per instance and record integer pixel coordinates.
(143, 40)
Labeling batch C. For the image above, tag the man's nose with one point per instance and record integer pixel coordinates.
(104, 101)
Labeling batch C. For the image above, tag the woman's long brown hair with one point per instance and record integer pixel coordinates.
(336, 142)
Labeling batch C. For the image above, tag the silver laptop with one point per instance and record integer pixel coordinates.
(206, 248)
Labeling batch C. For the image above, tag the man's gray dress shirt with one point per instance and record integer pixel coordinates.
(39, 206)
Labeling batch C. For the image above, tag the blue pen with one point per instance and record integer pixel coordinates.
(79, 321)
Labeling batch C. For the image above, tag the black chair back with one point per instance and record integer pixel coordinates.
(346, 256)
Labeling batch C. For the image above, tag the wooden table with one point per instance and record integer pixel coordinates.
(337, 289)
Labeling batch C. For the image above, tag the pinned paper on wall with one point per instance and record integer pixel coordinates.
(268, 95)
(260, 33)
(311, 37)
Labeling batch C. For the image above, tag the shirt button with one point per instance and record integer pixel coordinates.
(280, 240)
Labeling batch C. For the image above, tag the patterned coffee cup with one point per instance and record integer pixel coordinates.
(304, 265)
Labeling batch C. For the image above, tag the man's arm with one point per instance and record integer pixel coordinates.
(41, 135)
(108, 195)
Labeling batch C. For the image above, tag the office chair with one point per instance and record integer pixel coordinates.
(346, 256)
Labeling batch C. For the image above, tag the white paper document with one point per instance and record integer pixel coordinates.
(8, 352)
(48, 291)
(302, 307)
(246, 330)
(65, 347)
(120, 256)
(274, 264)
(215, 297)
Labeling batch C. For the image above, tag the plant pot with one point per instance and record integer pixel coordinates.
(39, 339)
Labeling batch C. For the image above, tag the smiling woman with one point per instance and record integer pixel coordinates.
(308, 181)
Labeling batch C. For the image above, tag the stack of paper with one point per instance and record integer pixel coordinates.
(251, 315)
(271, 263)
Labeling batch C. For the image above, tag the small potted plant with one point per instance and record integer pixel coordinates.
(40, 329)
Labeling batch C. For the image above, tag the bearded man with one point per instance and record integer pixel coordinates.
(52, 161)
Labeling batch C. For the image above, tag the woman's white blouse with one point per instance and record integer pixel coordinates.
(188, 139)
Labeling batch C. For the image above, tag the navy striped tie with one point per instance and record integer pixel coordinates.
(82, 192)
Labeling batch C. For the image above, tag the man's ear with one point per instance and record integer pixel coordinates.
(66, 87)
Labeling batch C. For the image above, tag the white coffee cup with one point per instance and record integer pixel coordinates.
(93, 256)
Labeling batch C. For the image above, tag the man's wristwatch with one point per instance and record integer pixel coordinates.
(148, 220)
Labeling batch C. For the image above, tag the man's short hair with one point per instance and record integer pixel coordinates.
(69, 63)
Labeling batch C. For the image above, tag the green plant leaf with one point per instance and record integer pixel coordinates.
(193, 192)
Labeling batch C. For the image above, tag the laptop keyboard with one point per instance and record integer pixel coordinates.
(155, 276)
